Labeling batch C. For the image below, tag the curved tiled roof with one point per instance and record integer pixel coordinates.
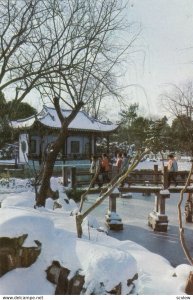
(49, 118)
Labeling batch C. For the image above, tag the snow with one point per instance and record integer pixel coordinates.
(182, 165)
(106, 260)
(113, 218)
(100, 257)
(126, 195)
(49, 117)
(165, 192)
(56, 229)
(24, 123)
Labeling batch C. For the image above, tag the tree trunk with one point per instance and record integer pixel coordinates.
(45, 190)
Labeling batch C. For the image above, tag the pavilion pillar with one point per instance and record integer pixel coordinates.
(66, 147)
(113, 220)
(90, 148)
(95, 148)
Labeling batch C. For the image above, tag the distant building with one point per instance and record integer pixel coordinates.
(41, 129)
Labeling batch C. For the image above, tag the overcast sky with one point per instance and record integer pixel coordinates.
(167, 42)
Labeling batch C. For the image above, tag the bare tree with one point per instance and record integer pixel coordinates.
(179, 100)
(18, 62)
(179, 103)
(65, 50)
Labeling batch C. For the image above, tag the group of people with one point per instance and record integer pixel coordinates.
(122, 162)
(102, 166)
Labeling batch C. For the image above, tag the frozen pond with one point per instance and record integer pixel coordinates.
(134, 213)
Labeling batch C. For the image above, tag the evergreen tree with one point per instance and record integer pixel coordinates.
(128, 116)
(158, 136)
(11, 110)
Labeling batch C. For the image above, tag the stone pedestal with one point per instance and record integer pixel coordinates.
(158, 222)
(157, 219)
(113, 220)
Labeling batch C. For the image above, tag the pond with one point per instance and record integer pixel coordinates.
(134, 213)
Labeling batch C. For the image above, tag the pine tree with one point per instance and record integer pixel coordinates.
(157, 136)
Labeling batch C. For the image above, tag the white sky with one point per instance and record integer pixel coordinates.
(167, 42)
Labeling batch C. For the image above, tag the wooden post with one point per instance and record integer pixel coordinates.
(156, 176)
(113, 220)
(65, 176)
(73, 178)
(165, 177)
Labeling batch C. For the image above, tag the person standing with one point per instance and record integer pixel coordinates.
(172, 167)
(105, 168)
(124, 166)
(125, 163)
(119, 163)
(95, 167)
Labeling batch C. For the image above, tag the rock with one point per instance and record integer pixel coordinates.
(130, 281)
(53, 272)
(57, 205)
(29, 255)
(13, 255)
(66, 284)
(76, 284)
(116, 290)
(63, 282)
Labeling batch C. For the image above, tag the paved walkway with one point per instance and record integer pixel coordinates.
(134, 213)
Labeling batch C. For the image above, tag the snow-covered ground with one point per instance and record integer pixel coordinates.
(100, 257)
(182, 164)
